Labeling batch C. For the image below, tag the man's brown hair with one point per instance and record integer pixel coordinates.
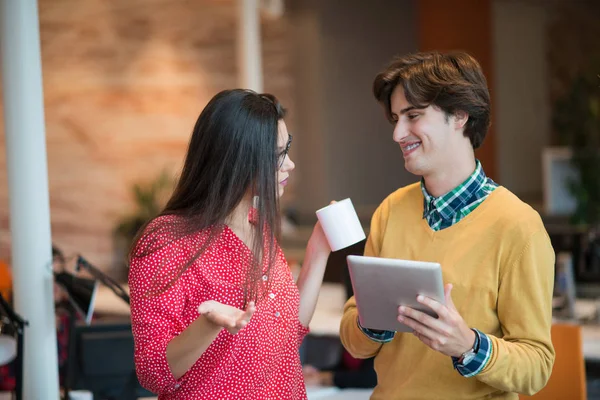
(452, 82)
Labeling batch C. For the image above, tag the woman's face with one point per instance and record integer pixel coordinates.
(284, 162)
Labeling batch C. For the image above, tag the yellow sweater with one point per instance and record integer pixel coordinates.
(501, 264)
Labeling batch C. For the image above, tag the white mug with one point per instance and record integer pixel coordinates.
(341, 224)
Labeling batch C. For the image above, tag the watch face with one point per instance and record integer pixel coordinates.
(468, 358)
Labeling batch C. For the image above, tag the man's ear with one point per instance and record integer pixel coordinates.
(460, 119)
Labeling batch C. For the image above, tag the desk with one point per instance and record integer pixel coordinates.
(328, 312)
(585, 310)
(591, 342)
(324, 393)
(325, 322)
(108, 303)
(332, 393)
(328, 315)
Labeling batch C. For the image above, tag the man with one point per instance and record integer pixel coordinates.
(492, 337)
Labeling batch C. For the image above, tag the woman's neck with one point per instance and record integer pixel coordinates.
(238, 218)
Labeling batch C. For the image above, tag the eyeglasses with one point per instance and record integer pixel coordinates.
(284, 153)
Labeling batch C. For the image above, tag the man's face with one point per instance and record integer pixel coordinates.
(425, 135)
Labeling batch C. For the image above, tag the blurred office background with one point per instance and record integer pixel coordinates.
(124, 81)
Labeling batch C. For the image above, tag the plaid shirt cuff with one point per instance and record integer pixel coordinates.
(482, 357)
(380, 337)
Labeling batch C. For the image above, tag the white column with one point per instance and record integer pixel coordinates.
(250, 74)
(28, 194)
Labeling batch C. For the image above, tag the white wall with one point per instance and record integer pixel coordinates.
(344, 144)
(522, 110)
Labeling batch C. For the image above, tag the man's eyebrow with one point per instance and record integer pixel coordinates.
(410, 108)
(407, 109)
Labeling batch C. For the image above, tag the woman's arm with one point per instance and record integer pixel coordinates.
(311, 273)
(165, 346)
(184, 350)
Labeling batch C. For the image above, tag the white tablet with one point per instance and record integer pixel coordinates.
(382, 284)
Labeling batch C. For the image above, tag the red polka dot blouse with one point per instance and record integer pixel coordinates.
(260, 362)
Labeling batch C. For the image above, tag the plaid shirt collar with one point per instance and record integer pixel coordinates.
(452, 202)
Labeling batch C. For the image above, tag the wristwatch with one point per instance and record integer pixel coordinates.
(470, 354)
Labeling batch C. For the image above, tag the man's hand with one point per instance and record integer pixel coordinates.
(448, 334)
(228, 317)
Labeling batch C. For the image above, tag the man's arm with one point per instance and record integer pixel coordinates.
(521, 361)
(361, 342)
(358, 344)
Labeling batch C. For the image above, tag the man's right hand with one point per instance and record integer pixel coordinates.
(228, 317)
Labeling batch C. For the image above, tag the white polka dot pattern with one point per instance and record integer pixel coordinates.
(261, 362)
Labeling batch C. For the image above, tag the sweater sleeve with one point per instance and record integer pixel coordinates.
(522, 359)
(354, 339)
(156, 318)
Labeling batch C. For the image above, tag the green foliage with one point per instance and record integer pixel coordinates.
(150, 198)
(577, 121)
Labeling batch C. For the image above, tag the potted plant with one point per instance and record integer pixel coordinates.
(149, 199)
(576, 120)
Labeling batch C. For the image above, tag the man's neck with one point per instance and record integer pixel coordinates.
(442, 182)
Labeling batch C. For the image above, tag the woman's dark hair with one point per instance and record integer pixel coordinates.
(452, 82)
(232, 152)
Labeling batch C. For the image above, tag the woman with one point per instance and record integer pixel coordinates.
(348, 372)
(215, 311)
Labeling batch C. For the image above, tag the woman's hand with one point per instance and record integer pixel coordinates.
(185, 349)
(318, 241)
(228, 317)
